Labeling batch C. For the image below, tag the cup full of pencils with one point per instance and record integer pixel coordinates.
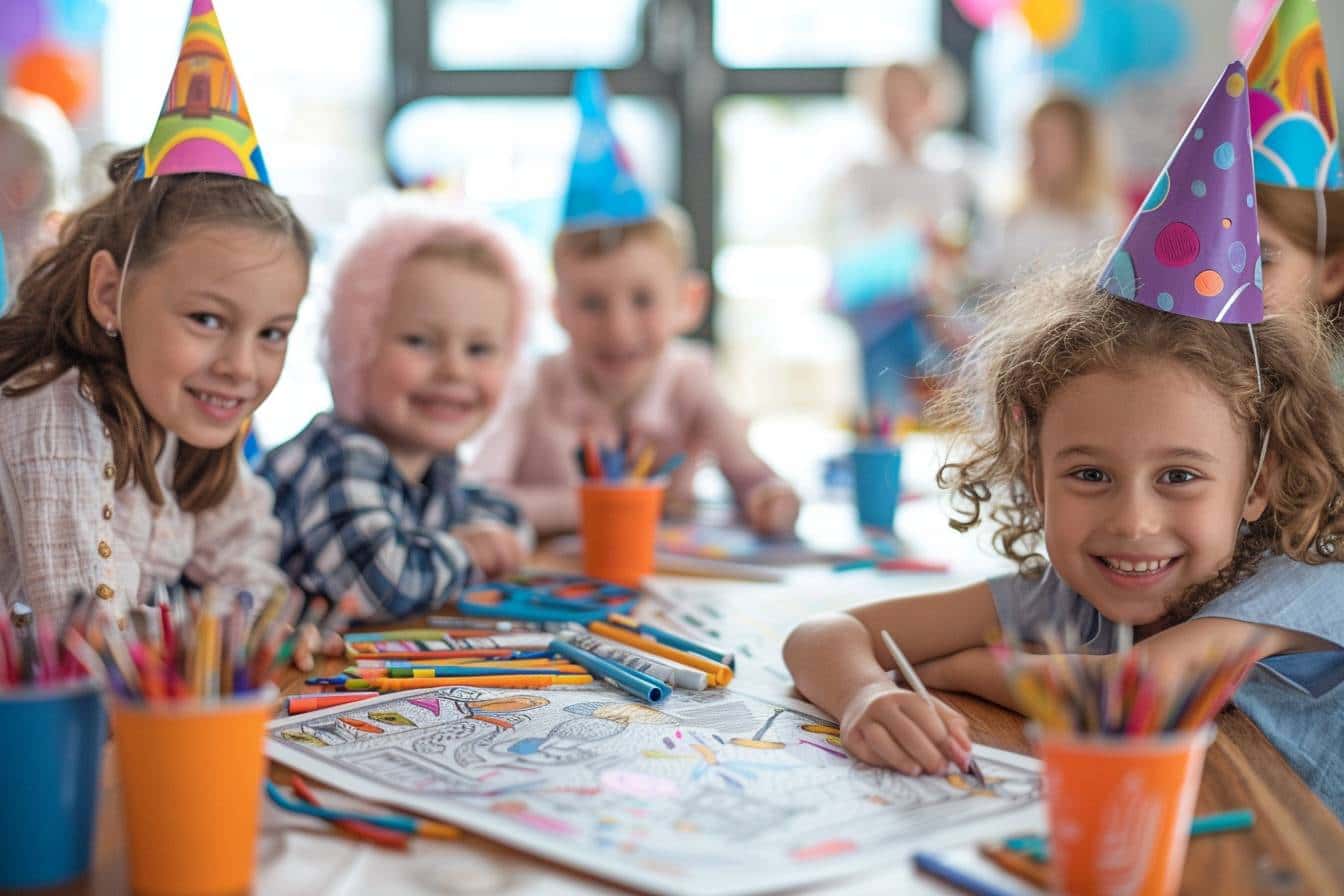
(52, 712)
(1123, 751)
(620, 504)
(876, 461)
(190, 693)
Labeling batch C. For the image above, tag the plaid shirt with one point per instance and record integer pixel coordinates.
(351, 521)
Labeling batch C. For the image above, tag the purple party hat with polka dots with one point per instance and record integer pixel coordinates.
(1194, 246)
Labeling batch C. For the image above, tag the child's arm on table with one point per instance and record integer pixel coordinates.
(495, 534)
(237, 544)
(769, 504)
(349, 539)
(839, 663)
(1168, 654)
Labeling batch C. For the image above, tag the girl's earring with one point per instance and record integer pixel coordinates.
(1244, 529)
(111, 331)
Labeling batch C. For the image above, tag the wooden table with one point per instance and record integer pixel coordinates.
(1296, 846)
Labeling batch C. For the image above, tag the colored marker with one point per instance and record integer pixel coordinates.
(663, 636)
(309, 702)
(484, 681)
(646, 688)
(933, 865)
(719, 674)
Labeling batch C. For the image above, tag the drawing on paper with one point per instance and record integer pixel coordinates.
(712, 791)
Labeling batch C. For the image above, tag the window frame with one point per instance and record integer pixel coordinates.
(676, 65)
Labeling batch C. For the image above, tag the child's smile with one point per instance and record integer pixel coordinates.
(1143, 478)
(440, 362)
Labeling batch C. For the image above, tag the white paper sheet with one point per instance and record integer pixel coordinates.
(714, 792)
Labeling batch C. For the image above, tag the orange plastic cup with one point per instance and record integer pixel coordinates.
(1120, 810)
(191, 776)
(619, 527)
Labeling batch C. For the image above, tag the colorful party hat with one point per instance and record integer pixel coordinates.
(1194, 246)
(1293, 123)
(204, 125)
(602, 191)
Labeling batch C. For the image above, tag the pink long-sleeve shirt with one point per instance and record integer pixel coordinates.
(528, 451)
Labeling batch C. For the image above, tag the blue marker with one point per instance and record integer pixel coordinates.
(648, 689)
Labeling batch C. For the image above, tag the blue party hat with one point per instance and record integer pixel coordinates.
(603, 190)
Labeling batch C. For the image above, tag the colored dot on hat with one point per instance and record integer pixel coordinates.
(1208, 283)
(1224, 156)
(1235, 84)
(1200, 189)
(1165, 301)
(1227, 223)
(1250, 200)
(1199, 133)
(1176, 245)
(1236, 255)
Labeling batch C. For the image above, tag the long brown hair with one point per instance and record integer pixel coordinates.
(50, 329)
(1295, 212)
(1058, 326)
(1091, 184)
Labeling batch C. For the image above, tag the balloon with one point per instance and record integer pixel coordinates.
(1091, 60)
(21, 23)
(1052, 22)
(56, 72)
(1248, 23)
(1157, 36)
(79, 23)
(981, 13)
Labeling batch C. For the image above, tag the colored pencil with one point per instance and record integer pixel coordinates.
(911, 678)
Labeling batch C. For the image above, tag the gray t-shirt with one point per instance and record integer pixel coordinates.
(1296, 699)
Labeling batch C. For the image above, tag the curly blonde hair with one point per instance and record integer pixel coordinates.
(1047, 330)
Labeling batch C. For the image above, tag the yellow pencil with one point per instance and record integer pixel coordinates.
(644, 464)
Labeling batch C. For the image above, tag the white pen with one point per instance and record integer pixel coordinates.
(908, 672)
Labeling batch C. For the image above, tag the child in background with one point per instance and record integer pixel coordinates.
(27, 192)
(133, 352)
(1296, 276)
(890, 222)
(1068, 205)
(1182, 479)
(1299, 180)
(427, 312)
(625, 291)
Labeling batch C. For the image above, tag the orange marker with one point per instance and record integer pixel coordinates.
(309, 702)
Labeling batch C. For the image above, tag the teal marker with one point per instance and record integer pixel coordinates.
(1037, 846)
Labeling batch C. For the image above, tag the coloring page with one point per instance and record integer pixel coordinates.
(710, 792)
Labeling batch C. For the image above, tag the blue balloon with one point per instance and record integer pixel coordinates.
(1158, 37)
(1118, 38)
(78, 22)
(1087, 63)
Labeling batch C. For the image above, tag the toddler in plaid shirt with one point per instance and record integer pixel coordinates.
(427, 312)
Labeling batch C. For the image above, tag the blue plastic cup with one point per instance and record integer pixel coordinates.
(877, 484)
(49, 761)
